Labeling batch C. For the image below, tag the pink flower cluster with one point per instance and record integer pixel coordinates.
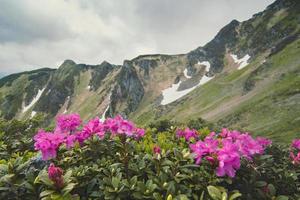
(55, 174)
(295, 152)
(225, 150)
(120, 126)
(67, 132)
(48, 143)
(187, 133)
(67, 123)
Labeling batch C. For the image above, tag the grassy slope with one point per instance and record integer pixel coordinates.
(89, 103)
(275, 110)
(271, 108)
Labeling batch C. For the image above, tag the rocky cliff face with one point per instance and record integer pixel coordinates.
(206, 82)
(128, 91)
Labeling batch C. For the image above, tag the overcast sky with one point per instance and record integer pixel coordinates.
(36, 34)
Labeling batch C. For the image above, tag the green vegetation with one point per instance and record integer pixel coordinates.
(261, 98)
(159, 165)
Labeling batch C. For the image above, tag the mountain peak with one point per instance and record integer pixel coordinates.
(67, 62)
(105, 63)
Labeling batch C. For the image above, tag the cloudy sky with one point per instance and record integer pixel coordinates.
(36, 34)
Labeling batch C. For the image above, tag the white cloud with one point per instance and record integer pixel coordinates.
(37, 34)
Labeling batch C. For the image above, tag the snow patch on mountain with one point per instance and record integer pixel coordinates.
(206, 64)
(185, 73)
(106, 109)
(35, 99)
(242, 62)
(204, 80)
(33, 113)
(171, 94)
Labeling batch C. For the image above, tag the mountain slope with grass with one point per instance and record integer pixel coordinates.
(247, 77)
(261, 97)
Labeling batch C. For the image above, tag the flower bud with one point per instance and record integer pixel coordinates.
(55, 174)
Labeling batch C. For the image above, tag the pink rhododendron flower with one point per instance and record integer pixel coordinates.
(211, 135)
(248, 146)
(225, 133)
(187, 133)
(48, 143)
(112, 124)
(211, 160)
(229, 159)
(126, 127)
(120, 126)
(296, 144)
(295, 149)
(295, 158)
(67, 133)
(264, 142)
(203, 148)
(226, 150)
(55, 174)
(70, 140)
(69, 122)
(94, 126)
(139, 132)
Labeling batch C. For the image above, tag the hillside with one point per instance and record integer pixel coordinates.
(247, 77)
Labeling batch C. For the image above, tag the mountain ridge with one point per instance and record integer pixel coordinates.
(225, 73)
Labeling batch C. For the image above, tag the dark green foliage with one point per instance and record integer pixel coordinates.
(18, 168)
(120, 168)
(16, 136)
(200, 123)
(269, 175)
(162, 125)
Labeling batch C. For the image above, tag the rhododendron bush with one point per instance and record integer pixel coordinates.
(67, 132)
(116, 159)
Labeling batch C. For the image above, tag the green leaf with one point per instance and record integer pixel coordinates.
(235, 195)
(4, 188)
(67, 176)
(3, 167)
(45, 179)
(260, 183)
(224, 196)
(58, 197)
(68, 188)
(272, 189)
(202, 196)
(46, 193)
(115, 182)
(183, 197)
(6, 178)
(169, 197)
(214, 192)
(282, 197)
(263, 157)
(189, 166)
